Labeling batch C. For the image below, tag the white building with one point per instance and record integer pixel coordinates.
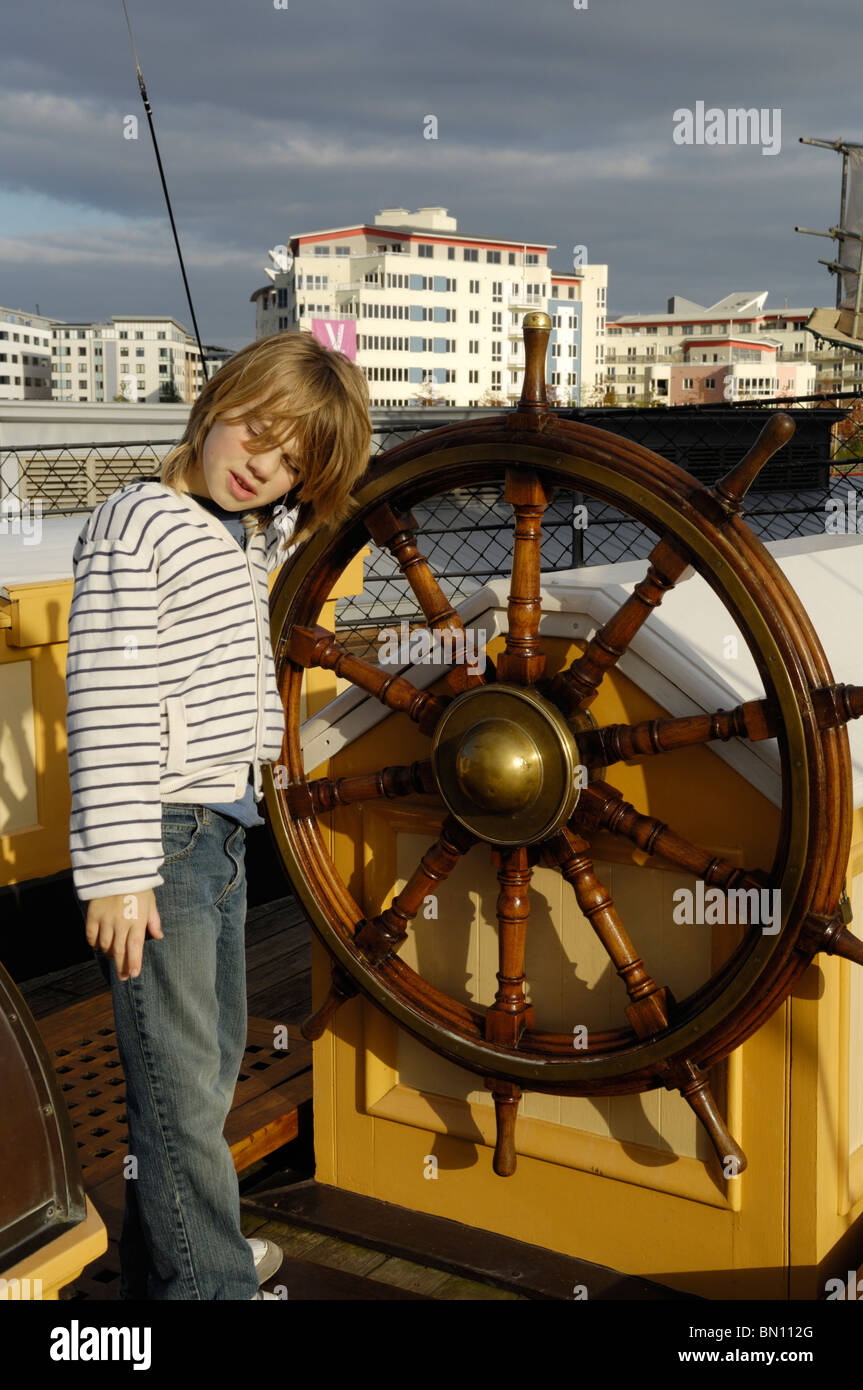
(144, 358)
(735, 349)
(437, 314)
(25, 356)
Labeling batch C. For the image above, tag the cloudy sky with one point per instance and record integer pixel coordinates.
(554, 124)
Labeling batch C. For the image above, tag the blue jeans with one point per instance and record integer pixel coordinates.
(181, 1033)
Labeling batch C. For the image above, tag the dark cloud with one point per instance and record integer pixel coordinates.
(554, 124)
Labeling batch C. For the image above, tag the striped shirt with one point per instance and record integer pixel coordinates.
(170, 679)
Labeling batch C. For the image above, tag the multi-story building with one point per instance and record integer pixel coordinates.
(434, 316)
(734, 349)
(25, 356)
(145, 357)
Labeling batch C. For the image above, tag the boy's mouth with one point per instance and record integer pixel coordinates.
(240, 487)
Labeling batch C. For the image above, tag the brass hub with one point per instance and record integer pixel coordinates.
(505, 763)
(498, 766)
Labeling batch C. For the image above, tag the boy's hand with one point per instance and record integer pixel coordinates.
(119, 924)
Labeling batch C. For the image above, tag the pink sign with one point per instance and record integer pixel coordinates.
(340, 334)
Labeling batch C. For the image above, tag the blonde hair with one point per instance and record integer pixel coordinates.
(315, 398)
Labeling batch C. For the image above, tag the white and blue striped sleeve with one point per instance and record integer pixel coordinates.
(113, 718)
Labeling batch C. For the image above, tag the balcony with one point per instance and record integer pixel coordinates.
(527, 301)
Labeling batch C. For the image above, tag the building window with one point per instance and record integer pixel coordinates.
(322, 250)
(688, 383)
(497, 291)
(343, 250)
(531, 258)
(473, 286)
(710, 382)
(425, 249)
(471, 253)
(450, 253)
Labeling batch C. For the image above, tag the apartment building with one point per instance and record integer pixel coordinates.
(434, 316)
(25, 356)
(735, 349)
(144, 358)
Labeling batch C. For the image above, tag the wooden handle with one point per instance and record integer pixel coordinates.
(341, 989)
(506, 1099)
(730, 490)
(535, 329)
(695, 1089)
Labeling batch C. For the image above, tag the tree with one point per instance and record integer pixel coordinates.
(169, 395)
(492, 397)
(427, 394)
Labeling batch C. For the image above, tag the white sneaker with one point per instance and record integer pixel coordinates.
(268, 1258)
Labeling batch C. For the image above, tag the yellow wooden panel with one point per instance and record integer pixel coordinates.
(591, 1174)
(18, 803)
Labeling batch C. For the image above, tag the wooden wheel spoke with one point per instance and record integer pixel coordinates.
(325, 793)
(754, 720)
(341, 989)
(397, 532)
(315, 646)
(576, 687)
(509, 1015)
(648, 1010)
(383, 935)
(757, 719)
(522, 662)
(602, 807)
(693, 1085)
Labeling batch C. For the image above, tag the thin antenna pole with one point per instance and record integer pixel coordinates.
(147, 108)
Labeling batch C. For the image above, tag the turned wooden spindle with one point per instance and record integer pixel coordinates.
(506, 1097)
(693, 1085)
(341, 989)
(831, 935)
(535, 329)
(730, 491)
(755, 720)
(648, 1010)
(316, 646)
(397, 532)
(510, 1014)
(602, 807)
(577, 686)
(382, 936)
(523, 662)
(326, 793)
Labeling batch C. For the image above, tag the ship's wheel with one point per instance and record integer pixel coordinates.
(506, 747)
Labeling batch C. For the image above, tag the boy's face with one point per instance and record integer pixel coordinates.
(227, 469)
